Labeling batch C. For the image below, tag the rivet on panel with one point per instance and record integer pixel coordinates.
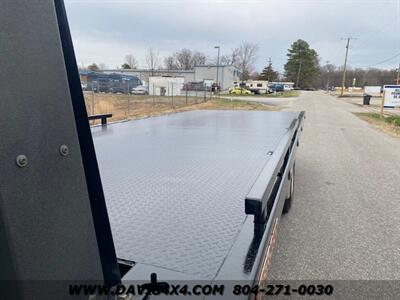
(64, 151)
(22, 161)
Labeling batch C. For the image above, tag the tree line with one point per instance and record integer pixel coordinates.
(243, 57)
(302, 67)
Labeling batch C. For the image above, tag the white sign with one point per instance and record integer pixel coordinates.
(392, 96)
(373, 90)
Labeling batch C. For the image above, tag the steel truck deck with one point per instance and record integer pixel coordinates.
(192, 197)
(175, 185)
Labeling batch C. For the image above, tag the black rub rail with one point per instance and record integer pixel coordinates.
(103, 118)
(259, 200)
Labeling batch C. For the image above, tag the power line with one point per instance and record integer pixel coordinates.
(381, 62)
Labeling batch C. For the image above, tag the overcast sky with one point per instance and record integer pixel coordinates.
(105, 31)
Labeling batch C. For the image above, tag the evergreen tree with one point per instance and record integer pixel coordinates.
(302, 65)
(268, 73)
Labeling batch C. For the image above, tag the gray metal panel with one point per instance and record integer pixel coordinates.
(44, 207)
(175, 185)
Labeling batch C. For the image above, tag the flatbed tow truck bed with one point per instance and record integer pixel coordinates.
(175, 189)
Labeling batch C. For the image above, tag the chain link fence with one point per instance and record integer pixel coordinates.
(126, 106)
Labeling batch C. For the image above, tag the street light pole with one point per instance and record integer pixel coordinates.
(217, 47)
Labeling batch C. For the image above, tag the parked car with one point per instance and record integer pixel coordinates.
(118, 90)
(277, 87)
(140, 90)
(239, 91)
(197, 86)
(287, 87)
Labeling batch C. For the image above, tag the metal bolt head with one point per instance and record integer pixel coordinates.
(22, 160)
(64, 151)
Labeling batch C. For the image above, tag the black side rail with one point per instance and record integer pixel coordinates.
(264, 190)
(103, 118)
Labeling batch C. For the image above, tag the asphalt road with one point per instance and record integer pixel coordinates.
(345, 220)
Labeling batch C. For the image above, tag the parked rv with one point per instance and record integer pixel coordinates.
(257, 86)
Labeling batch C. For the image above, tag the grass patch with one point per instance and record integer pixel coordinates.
(350, 96)
(394, 120)
(389, 124)
(235, 105)
(142, 106)
(217, 104)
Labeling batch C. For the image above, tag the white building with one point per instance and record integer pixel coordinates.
(165, 86)
(227, 74)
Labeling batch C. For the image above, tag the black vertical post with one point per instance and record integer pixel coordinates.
(186, 94)
(97, 202)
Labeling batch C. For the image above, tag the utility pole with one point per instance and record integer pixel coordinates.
(345, 62)
(328, 71)
(299, 69)
(298, 74)
(398, 75)
(269, 65)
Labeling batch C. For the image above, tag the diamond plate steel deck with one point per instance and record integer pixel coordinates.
(175, 185)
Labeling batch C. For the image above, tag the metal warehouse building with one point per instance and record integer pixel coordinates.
(227, 74)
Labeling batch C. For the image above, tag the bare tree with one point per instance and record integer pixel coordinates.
(169, 63)
(246, 57)
(198, 59)
(184, 59)
(230, 59)
(131, 61)
(254, 75)
(330, 75)
(224, 60)
(152, 60)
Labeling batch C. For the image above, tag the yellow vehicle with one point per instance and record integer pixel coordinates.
(239, 91)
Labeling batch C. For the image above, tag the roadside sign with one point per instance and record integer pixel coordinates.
(391, 96)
